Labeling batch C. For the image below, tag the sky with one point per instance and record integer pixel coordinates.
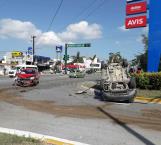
(99, 22)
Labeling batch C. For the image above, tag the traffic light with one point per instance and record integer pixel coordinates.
(66, 57)
(87, 45)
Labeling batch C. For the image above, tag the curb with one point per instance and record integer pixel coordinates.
(139, 99)
(44, 138)
(148, 100)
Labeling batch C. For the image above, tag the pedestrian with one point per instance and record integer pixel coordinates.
(4, 71)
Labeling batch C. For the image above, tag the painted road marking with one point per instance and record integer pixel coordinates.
(48, 139)
(148, 100)
(56, 142)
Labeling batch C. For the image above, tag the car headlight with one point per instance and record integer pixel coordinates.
(32, 78)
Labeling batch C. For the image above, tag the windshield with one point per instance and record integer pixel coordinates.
(28, 71)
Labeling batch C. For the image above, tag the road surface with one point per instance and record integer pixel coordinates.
(53, 108)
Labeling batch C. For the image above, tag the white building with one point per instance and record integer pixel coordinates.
(10, 60)
(92, 64)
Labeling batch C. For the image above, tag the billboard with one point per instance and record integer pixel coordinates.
(17, 54)
(129, 1)
(136, 8)
(135, 22)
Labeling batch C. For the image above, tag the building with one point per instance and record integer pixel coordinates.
(11, 59)
(92, 64)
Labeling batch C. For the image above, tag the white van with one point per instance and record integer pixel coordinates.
(13, 71)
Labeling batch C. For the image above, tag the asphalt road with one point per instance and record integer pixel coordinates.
(54, 108)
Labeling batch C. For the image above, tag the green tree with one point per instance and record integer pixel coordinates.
(142, 58)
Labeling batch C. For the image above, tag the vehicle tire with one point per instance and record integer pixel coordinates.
(132, 83)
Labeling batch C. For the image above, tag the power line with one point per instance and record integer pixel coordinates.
(56, 12)
(95, 9)
(87, 8)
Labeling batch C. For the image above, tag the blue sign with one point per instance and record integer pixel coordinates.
(59, 49)
(154, 50)
(30, 51)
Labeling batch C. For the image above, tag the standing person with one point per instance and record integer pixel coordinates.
(4, 71)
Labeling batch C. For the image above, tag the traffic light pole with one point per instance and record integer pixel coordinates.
(66, 56)
(66, 53)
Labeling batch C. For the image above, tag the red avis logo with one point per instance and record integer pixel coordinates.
(135, 22)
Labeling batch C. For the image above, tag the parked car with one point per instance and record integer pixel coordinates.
(76, 74)
(12, 72)
(27, 77)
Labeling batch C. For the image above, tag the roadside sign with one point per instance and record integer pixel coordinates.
(136, 8)
(29, 55)
(79, 45)
(59, 48)
(17, 54)
(29, 58)
(30, 50)
(135, 22)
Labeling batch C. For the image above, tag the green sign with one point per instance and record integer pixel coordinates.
(79, 45)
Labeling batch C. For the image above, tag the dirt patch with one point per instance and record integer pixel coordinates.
(146, 118)
(150, 119)
(51, 107)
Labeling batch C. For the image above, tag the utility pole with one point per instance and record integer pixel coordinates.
(66, 53)
(33, 47)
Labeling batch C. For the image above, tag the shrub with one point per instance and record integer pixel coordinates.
(148, 80)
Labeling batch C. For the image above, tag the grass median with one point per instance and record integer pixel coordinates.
(6, 139)
(149, 93)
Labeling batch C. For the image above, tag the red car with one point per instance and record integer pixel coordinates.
(27, 77)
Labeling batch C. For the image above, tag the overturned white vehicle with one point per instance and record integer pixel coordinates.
(116, 84)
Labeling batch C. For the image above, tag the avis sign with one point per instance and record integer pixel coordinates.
(136, 8)
(135, 22)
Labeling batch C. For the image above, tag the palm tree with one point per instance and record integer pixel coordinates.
(78, 58)
(115, 57)
(93, 58)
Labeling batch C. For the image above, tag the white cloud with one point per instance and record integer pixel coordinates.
(17, 29)
(123, 29)
(48, 39)
(10, 28)
(85, 30)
